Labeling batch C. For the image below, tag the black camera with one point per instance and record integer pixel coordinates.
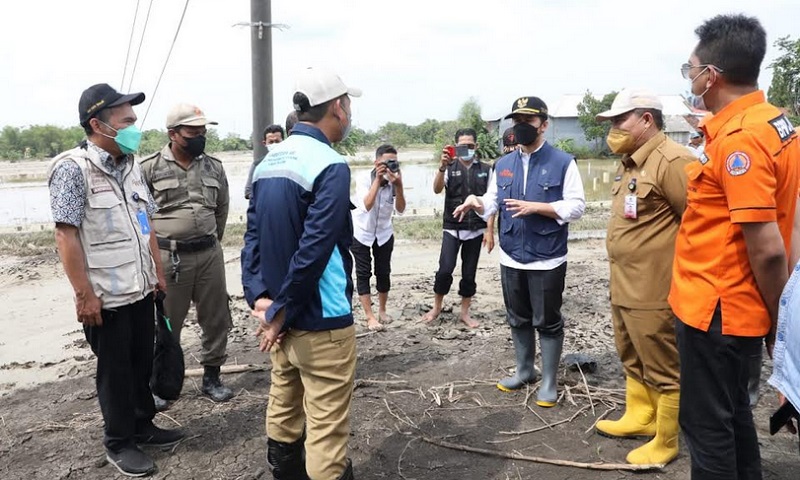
(392, 165)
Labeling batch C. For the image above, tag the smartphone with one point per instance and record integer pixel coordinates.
(451, 150)
(462, 151)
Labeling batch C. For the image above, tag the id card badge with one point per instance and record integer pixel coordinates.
(630, 206)
(144, 223)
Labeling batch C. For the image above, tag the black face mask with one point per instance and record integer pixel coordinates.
(195, 146)
(525, 133)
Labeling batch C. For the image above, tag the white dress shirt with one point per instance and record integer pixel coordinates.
(568, 210)
(375, 224)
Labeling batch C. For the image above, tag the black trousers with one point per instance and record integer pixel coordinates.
(533, 298)
(470, 253)
(383, 265)
(124, 349)
(715, 413)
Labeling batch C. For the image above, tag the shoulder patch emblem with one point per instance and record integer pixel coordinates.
(703, 158)
(782, 126)
(737, 163)
(506, 173)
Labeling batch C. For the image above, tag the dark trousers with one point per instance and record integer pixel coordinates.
(715, 413)
(383, 265)
(124, 349)
(470, 253)
(533, 298)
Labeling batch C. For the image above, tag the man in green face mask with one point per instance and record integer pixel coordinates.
(648, 199)
(102, 210)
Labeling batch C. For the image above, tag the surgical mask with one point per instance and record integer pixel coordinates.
(195, 146)
(349, 127)
(127, 139)
(470, 155)
(697, 100)
(525, 133)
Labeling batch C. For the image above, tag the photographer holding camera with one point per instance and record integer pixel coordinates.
(379, 193)
(461, 174)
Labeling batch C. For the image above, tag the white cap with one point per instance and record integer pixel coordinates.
(630, 99)
(320, 86)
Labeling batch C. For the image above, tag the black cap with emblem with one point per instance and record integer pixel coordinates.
(528, 106)
(101, 96)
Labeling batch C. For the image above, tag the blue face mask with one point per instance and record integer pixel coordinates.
(470, 156)
(127, 139)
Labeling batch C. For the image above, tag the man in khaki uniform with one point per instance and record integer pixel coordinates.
(648, 200)
(191, 191)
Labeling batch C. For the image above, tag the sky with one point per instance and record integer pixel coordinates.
(413, 59)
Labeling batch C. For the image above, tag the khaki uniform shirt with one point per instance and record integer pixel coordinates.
(641, 250)
(192, 202)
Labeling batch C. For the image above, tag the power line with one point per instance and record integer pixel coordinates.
(139, 50)
(130, 42)
(164, 68)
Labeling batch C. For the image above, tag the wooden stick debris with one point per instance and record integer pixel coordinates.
(198, 372)
(549, 461)
(551, 425)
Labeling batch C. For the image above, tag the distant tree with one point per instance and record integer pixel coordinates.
(350, 145)
(785, 88)
(397, 134)
(233, 142)
(588, 109)
(213, 143)
(152, 141)
(425, 132)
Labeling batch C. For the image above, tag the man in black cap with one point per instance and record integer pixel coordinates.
(537, 191)
(102, 208)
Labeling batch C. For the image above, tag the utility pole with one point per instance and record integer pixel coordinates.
(261, 57)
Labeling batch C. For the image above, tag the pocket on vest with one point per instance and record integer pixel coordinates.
(210, 191)
(113, 272)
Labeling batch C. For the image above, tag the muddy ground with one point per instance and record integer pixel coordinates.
(413, 381)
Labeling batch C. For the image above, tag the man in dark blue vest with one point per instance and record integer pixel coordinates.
(461, 176)
(537, 190)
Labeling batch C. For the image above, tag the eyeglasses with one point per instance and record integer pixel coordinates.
(687, 67)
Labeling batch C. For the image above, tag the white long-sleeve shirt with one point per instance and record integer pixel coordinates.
(569, 209)
(376, 223)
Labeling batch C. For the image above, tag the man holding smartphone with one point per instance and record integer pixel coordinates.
(461, 174)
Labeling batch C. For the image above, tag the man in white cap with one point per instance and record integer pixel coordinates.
(191, 191)
(696, 143)
(648, 199)
(296, 274)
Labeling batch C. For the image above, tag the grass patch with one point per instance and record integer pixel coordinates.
(418, 228)
(28, 243)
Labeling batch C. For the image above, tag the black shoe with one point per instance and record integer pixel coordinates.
(160, 403)
(131, 461)
(286, 461)
(213, 387)
(152, 436)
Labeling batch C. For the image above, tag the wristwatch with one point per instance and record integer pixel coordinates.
(442, 169)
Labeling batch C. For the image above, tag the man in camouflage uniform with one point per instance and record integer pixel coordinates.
(191, 191)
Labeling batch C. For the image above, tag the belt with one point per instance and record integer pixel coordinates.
(188, 246)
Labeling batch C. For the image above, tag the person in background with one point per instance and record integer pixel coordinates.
(696, 143)
(460, 177)
(191, 191)
(509, 141)
(102, 212)
(273, 134)
(379, 193)
(537, 190)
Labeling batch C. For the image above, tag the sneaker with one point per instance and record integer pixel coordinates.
(152, 436)
(131, 461)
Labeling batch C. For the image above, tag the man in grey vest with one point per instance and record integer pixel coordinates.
(102, 211)
(536, 190)
(191, 191)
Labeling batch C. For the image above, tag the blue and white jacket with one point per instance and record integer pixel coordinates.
(299, 230)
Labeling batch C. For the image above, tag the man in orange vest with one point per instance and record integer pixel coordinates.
(732, 248)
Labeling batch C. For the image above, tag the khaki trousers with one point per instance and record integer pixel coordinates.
(646, 345)
(201, 280)
(312, 386)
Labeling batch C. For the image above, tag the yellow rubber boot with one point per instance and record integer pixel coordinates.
(663, 448)
(639, 419)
